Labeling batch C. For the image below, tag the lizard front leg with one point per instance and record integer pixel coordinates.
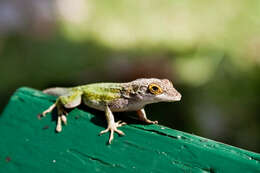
(142, 116)
(112, 125)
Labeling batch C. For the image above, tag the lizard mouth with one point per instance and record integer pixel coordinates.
(170, 98)
(176, 97)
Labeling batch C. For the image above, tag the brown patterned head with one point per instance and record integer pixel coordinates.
(156, 90)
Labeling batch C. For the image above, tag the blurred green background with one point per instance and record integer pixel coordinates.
(209, 49)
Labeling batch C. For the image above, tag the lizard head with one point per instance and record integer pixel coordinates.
(154, 90)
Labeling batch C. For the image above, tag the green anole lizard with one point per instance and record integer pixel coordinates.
(113, 97)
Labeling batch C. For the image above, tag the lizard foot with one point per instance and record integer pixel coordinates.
(113, 128)
(61, 119)
(43, 114)
(150, 122)
(142, 116)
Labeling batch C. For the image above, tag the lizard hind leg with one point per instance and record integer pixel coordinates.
(112, 125)
(70, 100)
(61, 116)
(49, 109)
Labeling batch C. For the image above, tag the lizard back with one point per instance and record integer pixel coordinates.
(100, 94)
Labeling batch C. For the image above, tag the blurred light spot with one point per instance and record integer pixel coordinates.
(73, 12)
(197, 70)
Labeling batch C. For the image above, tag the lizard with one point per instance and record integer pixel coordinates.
(113, 97)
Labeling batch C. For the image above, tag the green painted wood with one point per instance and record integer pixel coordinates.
(29, 144)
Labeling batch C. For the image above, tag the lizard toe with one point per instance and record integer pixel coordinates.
(64, 119)
(120, 132)
(103, 131)
(120, 123)
(112, 129)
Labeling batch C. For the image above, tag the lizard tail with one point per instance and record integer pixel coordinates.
(58, 91)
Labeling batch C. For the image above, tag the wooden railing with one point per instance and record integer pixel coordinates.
(29, 143)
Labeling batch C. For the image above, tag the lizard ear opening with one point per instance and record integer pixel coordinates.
(155, 89)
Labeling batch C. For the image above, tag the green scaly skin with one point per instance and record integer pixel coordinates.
(102, 92)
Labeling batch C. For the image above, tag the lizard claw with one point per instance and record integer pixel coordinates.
(150, 122)
(154, 122)
(59, 126)
(64, 119)
(113, 128)
(120, 123)
(61, 119)
(43, 114)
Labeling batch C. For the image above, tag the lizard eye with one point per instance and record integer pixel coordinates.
(155, 89)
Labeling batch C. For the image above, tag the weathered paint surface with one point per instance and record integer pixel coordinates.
(28, 144)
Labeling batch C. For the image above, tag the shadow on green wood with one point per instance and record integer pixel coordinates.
(29, 144)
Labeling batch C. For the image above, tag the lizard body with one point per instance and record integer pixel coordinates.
(113, 97)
